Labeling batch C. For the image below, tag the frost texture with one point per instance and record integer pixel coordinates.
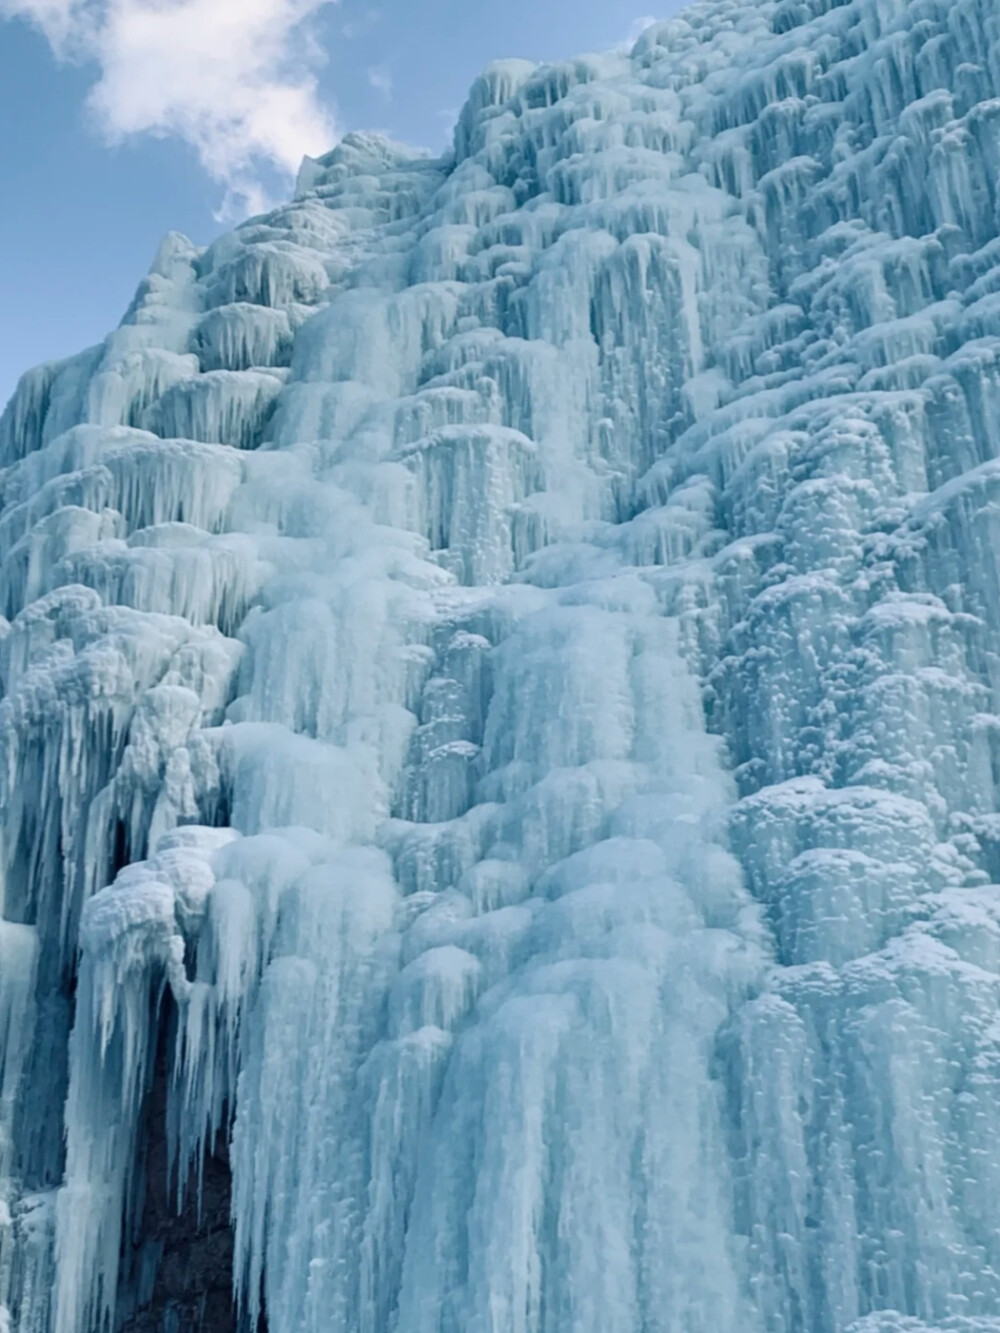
(500, 682)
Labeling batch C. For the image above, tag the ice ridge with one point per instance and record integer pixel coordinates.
(499, 724)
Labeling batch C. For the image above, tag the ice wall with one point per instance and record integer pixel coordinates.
(500, 693)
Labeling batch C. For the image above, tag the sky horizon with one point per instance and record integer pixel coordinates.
(96, 168)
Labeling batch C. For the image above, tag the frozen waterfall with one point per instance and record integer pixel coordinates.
(500, 725)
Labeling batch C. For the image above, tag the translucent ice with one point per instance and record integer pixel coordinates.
(499, 721)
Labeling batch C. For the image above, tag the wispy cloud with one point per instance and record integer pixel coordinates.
(448, 116)
(236, 79)
(360, 23)
(636, 29)
(380, 78)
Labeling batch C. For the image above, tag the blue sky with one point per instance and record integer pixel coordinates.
(95, 167)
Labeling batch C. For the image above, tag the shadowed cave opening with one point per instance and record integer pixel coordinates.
(177, 1266)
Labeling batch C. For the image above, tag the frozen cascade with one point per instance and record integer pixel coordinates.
(500, 718)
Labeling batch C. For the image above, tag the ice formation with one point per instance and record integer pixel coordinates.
(500, 705)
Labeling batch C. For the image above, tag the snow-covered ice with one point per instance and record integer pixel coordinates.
(500, 685)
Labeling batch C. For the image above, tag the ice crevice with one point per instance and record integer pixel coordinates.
(499, 693)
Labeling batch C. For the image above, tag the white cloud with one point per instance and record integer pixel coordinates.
(234, 78)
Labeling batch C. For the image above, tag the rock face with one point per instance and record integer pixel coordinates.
(500, 738)
(177, 1266)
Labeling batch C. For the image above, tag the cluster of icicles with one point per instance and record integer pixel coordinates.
(499, 710)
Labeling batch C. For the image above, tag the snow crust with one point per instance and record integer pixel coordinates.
(499, 670)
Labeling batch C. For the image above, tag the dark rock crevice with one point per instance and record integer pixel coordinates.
(177, 1267)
